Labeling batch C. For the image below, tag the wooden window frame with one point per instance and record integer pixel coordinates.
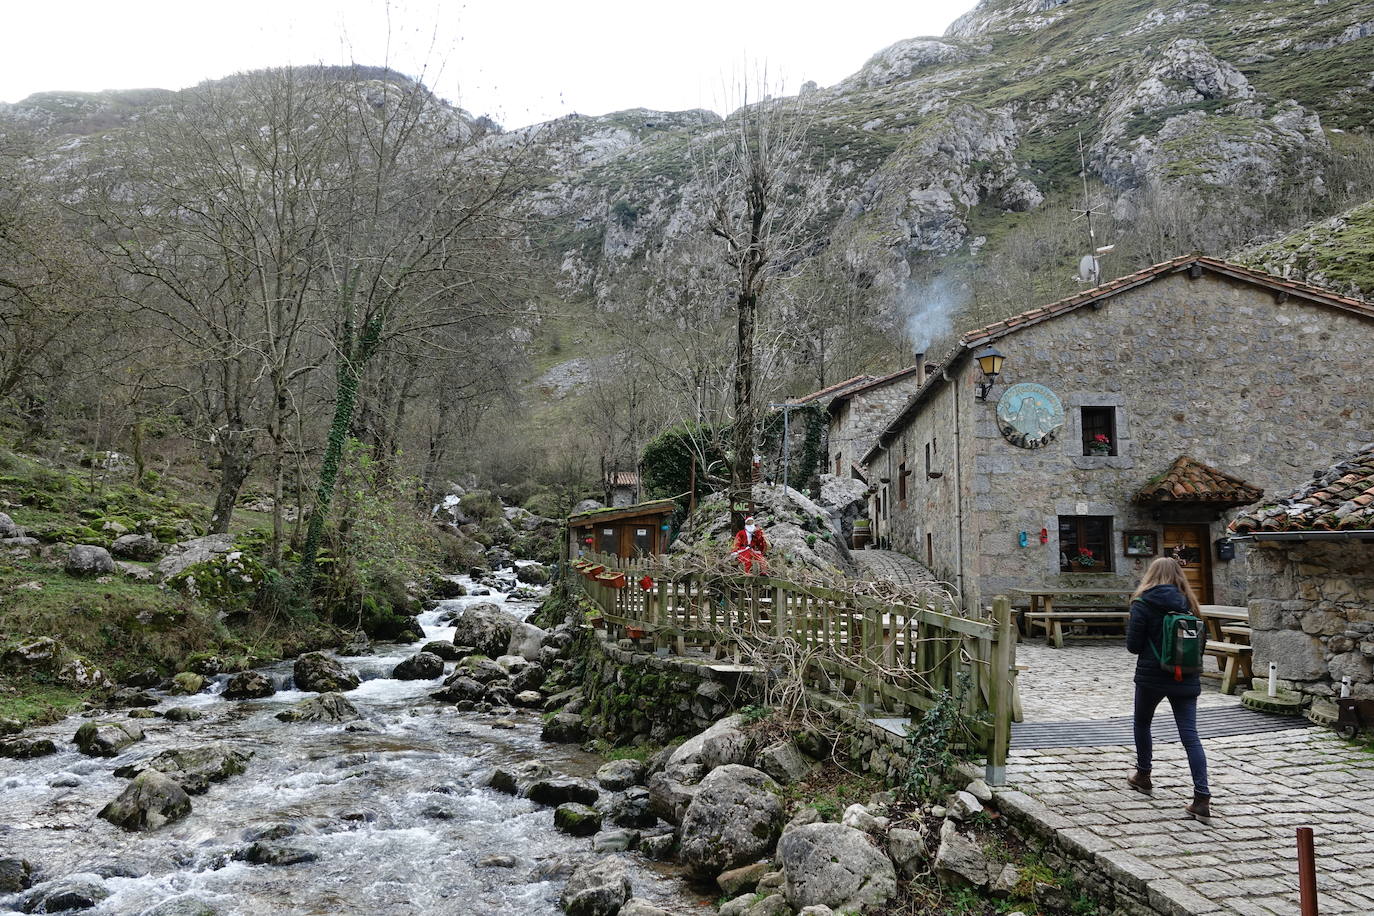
(1105, 555)
(1088, 429)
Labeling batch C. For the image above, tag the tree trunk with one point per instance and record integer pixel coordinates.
(235, 463)
(742, 434)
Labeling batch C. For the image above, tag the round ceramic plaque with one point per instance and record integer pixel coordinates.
(1030, 415)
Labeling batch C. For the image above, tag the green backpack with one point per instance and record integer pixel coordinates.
(1184, 639)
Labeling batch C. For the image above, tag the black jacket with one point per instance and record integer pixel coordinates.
(1145, 633)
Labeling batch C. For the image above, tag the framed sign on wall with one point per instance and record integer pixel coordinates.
(1140, 543)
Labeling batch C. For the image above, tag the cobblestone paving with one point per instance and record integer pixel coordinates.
(1087, 679)
(1264, 786)
(891, 566)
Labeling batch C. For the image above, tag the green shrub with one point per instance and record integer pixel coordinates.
(480, 505)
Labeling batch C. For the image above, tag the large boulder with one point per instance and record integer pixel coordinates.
(27, 748)
(249, 685)
(182, 556)
(422, 666)
(458, 689)
(526, 640)
(15, 874)
(327, 707)
(722, 743)
(89, 560)
(532, 573)
(485, 627)
(322, 674)
(193, 768)
(40, 652)
(149, 801)
(785, 762)
(106, 739)
(597, 889)
(445, 650)
(618, 775)
(672, 789)
(845, 499)
(734, 819)
(143, 547)
(78, 673)
(512, 779)
(577, 819)
(960, 862)
(836, 866)
(563, 728)
(8, 529)
(555, 790)
(72, 892)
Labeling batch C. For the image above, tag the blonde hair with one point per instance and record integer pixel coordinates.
(1167, 571)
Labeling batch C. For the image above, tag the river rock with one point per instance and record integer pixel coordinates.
(637, 906)
(193, 768)
(39, 652)
(327, 707)
(322, 674)
(106, 739)
(15, 875)
(960, 862)
(785, 762)
(10, 726)
(422, 666)
(529, 699)
(8, 529)
(597, 889)
(615, 839)
(181, 906)
(658, 847)
(630, 808)
(249, 685)
(458, 689)
(144, 714)
(481, 670)
(734, 819)
(149, 801)
(73, 892)
(128, 697)
(563, 728)
(485, 627)
(142, 547)
(555, 790)
(512, 779)
(27, 748)
(445, 589)
(860, 818)
(577, 819)
(499, 861)
(445, 650)
(532, 573)
(907, 849)
(526, 640)
(736, 881)
(722, 743)
(78, 673)
(672, 790)
(185, 683)
(89, 560)
(265, 852)
(499, 695)
(530, 677)
(620, 774)
(183, 714)
(836, 866)
(184, 555)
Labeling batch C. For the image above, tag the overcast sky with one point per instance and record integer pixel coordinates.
(521, 61)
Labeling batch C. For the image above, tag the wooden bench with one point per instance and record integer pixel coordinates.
(1234, 660)
(1053, 622)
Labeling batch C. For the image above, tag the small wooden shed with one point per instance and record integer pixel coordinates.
(625, 531)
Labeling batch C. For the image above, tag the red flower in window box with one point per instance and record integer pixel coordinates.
(1085, 558)
(1101, 444)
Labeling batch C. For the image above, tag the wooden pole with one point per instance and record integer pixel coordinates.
(1307, 872)
(1003, 660)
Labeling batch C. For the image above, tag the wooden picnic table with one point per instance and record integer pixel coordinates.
(1218, 615)
(1042, 612)
(1228, 641)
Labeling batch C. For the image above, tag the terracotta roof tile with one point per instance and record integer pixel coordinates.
(829, 390)
(1339, 498)
(1189, 480)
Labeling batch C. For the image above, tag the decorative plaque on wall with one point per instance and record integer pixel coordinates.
(1030, 415)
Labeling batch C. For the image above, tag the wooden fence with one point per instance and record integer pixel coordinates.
(894, 660)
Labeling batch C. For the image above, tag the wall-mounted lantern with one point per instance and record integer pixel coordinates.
(990, 361)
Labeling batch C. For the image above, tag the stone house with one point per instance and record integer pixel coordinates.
(859, 411)
(1311, 583)
(1127, 422)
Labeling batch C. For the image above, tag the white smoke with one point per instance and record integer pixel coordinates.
(926, 309)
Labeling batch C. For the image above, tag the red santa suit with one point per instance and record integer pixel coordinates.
(751, 547)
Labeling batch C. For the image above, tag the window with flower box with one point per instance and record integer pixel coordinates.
(1099, 430)
(1085, 543)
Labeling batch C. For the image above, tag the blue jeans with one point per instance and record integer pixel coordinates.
(1185, 717)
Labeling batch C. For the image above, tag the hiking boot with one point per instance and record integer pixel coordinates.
(1201, 808)
(1140, 781)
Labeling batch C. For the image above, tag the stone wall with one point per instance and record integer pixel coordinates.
(1312, 610)
(1215, 369)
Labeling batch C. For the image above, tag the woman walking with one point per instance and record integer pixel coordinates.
(1164, 590)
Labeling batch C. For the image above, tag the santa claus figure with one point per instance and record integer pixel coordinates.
(751, 547)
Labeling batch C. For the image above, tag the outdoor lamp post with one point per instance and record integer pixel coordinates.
(990, 361)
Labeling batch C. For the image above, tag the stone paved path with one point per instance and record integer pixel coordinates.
(891, 566)
(1264, 786)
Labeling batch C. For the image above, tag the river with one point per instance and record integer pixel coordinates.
(397, 816)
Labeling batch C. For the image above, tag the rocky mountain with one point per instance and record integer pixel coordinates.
(965, 148)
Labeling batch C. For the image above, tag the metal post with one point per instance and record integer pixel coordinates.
(1307, 872)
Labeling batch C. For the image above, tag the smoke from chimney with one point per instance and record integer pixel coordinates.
(926, 310)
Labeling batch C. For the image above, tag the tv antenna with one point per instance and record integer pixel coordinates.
(1090, 265)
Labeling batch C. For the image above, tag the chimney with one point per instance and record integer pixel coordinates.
(920, 367)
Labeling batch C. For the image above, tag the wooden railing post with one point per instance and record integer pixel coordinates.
(1000, 680)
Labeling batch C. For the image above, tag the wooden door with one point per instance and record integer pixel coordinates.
(1190, 545)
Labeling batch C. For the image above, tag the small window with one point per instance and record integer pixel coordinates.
(1099, 430)
(901, 484)
(930, 551)
(1085, 543)
(839, 464)
(928, 451)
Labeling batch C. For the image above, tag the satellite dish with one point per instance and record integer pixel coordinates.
(1088, 270)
